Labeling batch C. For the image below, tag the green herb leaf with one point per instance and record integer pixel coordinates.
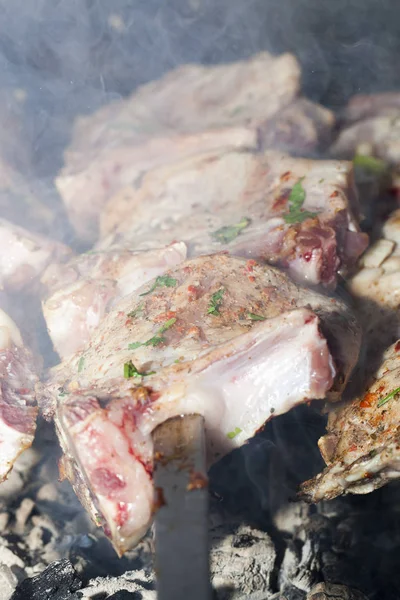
(215, 302)
(373, 165)
(161, 281)
(230, 232)
(131, 371)
(62, 392)
(155, 340)
(296, 201)
(255, 317)
(81, 363)
(383, 401)
(234, 433)
(136, 311)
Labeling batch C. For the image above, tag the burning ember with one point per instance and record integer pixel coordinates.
(199, 323)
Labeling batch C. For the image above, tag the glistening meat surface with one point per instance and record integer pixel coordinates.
(17, 397)
(242, 202)
(220, 336)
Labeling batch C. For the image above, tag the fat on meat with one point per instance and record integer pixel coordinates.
(238, 202)
(18, 409)
(224, 107)
(362, 445)
(25, 256)
(233, 340)
(81, 291)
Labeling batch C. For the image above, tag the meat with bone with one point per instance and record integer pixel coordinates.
(221, 336)
(245, 203)
(17, 398)
(26, 256)
(85, 288)
(221, 108)
(362, 446)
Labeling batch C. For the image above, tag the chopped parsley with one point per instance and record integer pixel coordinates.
(383, 401)
(255, 317)
(161, 281)
(234, 433)
(372, 165)
(155, 340)
(230, 232)
(296, 200)
(131, 371)
(215, 302)
(81, 363)
(136, 311)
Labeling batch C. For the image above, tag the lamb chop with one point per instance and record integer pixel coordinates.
(81, 291)
(26, 256)
(361, 448)
(233, 340)
(221, 108)
(17, 397)
(299, 214)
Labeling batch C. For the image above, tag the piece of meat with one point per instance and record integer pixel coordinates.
(17, 397)
(220, 107)
(25, 256)
(228, 338)
(300, 129)
(362, 446)
(237, 202)
(83, 290)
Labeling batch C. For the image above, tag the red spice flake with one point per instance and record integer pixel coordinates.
(159, 498)
(250, 264)
(252, 278)
(285, 176)
(353, 448)
(197, 481)
(128, 322)
(193, 331)
(397, 346)
(280, 203)
(334, 194)
(187, 270)
(165, 316)
(192, 292)
(368, 400)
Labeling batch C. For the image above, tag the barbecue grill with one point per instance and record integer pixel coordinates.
(237, 527)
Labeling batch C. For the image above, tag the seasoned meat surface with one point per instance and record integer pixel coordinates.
(221, 336)
(242, 202)
(362, 446)
(220, 108)
(82, 290)
(17, 397)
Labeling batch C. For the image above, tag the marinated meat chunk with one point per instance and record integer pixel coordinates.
(297, 213)
(82, 290)
(228, 338)
(362, 446)
(220, 108)
(25, 256)
(17, 397)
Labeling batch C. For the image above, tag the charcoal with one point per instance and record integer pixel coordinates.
(58, 582)
(124, 595)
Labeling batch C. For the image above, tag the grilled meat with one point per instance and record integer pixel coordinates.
(242, 202)
(362, 446)
(82, 290)
(25, 256)
(17, 398)
(221, 336)
(244, 105)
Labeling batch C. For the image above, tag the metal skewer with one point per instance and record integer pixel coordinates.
(181, 521)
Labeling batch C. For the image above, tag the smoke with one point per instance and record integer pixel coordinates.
(59, 59)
